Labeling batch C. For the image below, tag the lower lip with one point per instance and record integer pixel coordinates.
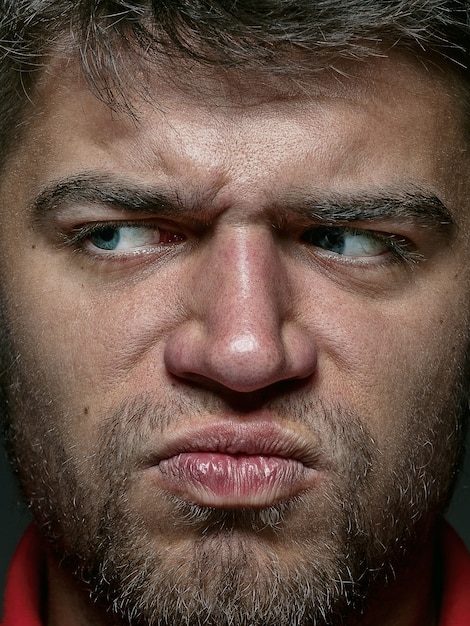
(225, 480)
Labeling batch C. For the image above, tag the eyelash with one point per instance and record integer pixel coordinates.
(399, 248)
(79, 234)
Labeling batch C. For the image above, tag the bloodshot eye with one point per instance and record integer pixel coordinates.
(345, 241)
(127, 238)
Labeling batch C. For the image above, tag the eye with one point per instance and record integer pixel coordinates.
(124, 238)
(349, 242)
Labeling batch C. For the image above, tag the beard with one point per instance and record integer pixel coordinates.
(151, 558)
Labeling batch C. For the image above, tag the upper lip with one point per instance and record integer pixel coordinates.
(264, 438)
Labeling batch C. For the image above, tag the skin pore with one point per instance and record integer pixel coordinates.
(248, 282)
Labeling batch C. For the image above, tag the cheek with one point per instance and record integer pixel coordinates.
(391, 361)
(88, 348)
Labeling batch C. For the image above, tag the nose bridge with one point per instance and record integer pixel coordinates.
(243, 303)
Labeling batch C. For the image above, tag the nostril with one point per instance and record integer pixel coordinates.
(243, 362)
(248, 402)
(245, 401)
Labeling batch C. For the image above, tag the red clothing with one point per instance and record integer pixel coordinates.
(23, 593)
(455, 603)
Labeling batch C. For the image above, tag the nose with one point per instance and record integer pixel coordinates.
(242, 332)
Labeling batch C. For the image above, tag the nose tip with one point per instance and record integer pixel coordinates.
(241, 363)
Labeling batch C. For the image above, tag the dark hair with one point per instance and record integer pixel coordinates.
(262, 34)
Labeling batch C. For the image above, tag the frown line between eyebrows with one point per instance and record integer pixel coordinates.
(416, 206)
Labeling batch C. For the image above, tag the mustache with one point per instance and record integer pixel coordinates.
(334, 431)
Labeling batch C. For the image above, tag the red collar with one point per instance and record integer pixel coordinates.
(22, 606)
(455, 604)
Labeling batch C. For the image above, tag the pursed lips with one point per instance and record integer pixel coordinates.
(230, 465)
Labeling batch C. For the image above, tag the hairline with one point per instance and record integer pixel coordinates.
(114, 85)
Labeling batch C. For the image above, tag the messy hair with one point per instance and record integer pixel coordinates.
(268, 35)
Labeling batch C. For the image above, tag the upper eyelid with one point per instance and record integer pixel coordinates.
(90, 227)
(72, 225)
(384, 236)
(100, 224)
(386, 225)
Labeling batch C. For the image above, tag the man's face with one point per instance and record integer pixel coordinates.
(238, 332)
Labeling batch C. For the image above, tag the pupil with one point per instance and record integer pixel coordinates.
(327, 238)
(106, 239)
(334, 241)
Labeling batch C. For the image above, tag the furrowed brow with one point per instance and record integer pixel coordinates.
(422, 209)
(414, 207)
(106, 191)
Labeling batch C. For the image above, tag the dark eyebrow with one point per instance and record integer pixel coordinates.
(412, 206)
(104, 190)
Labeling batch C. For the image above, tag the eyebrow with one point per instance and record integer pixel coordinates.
(412, 205)
(106, 190)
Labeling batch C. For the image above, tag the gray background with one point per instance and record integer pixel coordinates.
(14, 518)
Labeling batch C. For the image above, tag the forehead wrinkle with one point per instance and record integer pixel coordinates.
(213, 194)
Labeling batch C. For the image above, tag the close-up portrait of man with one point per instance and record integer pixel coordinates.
(235, 310)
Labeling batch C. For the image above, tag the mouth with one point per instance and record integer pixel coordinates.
(236, 465)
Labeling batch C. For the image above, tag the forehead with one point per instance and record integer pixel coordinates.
(382, 122)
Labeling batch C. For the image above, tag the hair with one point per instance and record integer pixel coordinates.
(266, 35)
